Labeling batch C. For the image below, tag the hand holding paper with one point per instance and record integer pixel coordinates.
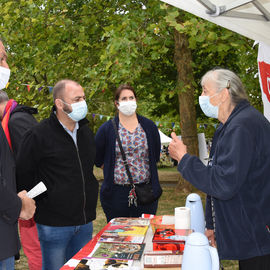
(36, 190)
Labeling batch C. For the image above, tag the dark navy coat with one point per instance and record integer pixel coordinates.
(238, 179)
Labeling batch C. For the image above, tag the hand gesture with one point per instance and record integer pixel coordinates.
(177, 149)
(28, 206)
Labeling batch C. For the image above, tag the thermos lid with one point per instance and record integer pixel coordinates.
(197, 239)
(193, 197)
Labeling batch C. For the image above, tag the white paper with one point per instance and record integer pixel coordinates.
(36, 190)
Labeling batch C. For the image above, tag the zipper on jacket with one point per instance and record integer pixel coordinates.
(84, 196)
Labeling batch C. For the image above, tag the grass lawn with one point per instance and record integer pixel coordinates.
(168, 201)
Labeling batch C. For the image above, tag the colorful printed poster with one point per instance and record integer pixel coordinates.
(120, 251)
(101, 264)
(123, 230)
(130, 221)
(120, 239)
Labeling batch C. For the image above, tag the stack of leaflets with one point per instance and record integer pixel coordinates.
(127, 230)
(130, 221)
(118, 251)
(98, 264)
(162, 259)
(119, 245)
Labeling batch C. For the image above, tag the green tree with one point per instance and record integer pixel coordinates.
(159, 49)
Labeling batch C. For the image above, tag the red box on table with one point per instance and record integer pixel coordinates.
(170, 239)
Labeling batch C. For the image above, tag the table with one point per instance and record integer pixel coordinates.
(137, 265)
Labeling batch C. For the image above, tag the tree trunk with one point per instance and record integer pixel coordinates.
(188, 125)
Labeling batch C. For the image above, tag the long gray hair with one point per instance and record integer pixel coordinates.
(224, 78)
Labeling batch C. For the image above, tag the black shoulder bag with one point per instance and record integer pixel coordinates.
(140, 193)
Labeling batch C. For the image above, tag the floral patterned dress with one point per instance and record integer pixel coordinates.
(136, 149)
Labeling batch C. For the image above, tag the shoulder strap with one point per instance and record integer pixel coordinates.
(122, 152)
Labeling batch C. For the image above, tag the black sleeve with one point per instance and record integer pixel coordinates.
(100, 141)
(27, 161)
(10, 204)
(18, 124)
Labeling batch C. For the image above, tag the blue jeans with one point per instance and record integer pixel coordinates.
(7, 264)
(117, 204)
(59, 244)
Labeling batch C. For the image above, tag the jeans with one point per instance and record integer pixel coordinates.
(7, 264)
(59, 244)
(117, 204)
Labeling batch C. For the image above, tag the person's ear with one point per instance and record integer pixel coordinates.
(225, 94)
(58, 103)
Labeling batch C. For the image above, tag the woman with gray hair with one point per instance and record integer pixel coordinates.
(236, 179)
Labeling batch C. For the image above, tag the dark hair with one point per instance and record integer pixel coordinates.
(3, 96)
(59, 88)
(121, 88)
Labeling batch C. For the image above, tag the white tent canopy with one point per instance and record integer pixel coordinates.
(165, 140)
(248, 18)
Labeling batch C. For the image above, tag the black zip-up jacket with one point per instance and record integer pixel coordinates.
(21, 119)
(49, 154)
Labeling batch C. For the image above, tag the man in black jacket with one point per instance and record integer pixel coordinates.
(12, 205)
(16, 119)
(60, 151)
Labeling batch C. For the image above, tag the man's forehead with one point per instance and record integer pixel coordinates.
(73, 86)
(74, 90)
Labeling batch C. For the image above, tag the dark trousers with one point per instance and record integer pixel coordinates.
(255, 263)
(116, 205)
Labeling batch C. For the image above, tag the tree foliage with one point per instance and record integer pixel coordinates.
(102, 44)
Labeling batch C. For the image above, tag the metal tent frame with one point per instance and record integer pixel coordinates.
(250, 18)
(230, 9)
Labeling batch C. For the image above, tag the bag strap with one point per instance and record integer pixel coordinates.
(132, 198)
(122, 152)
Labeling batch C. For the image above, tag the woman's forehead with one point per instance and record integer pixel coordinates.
(126, 92)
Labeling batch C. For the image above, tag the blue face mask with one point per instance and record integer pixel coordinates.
(207, 108)
(79, 110)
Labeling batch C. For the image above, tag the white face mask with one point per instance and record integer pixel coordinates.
(127, 107)
(4, 77)
(79, 110)
(207, 108)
